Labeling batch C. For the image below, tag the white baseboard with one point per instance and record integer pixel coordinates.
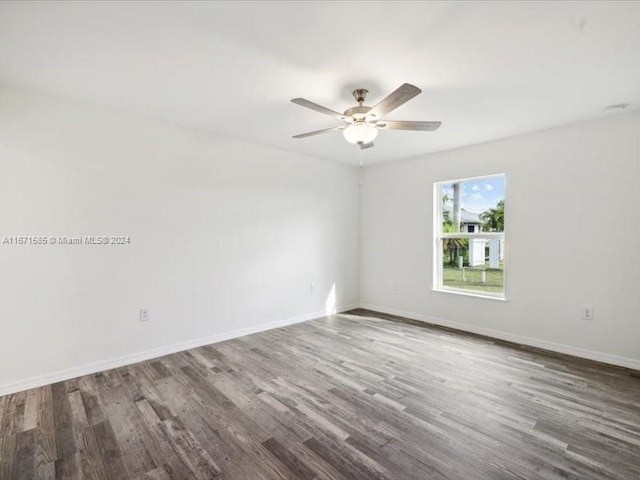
(346, 308)
(510, 337)
(123, 360)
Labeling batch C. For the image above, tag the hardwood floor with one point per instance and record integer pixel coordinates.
(346, 397)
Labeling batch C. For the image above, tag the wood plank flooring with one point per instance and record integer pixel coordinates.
(346, 397)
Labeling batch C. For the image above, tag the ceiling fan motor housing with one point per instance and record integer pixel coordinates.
(357, 113)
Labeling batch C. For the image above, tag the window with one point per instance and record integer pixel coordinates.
(469, 236)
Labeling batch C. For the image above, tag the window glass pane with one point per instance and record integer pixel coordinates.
(474, 205)
(473, 264)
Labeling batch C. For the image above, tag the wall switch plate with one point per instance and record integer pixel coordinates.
(145, 314)
(587, 313)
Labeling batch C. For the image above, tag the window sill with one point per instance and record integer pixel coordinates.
(500, 298)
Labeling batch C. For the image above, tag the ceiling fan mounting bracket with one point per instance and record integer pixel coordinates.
(360, 94)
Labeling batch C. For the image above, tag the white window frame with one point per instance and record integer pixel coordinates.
(439, 236)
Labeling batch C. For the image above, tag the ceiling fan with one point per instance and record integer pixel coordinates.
(361, 123)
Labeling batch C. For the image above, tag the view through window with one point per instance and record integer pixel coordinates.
(470, 242)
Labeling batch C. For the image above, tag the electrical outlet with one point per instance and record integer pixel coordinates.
(311, 289)
(587, 313)
(396, 286)
(145, 314)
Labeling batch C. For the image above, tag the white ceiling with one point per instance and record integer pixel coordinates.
(487, 70)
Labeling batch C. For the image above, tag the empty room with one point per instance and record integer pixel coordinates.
(319, 240)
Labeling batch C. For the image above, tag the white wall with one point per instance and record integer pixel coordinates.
(572, 213)
(226, 236)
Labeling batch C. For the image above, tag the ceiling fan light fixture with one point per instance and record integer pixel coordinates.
(360, 132)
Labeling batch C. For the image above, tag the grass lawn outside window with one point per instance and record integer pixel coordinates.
(452, 277)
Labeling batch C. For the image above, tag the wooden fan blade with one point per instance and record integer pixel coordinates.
(318, 108)
(317, 132)
(365, 145)
(403, 125)
(399, 96)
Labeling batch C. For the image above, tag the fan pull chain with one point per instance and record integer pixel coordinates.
(361, 173)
